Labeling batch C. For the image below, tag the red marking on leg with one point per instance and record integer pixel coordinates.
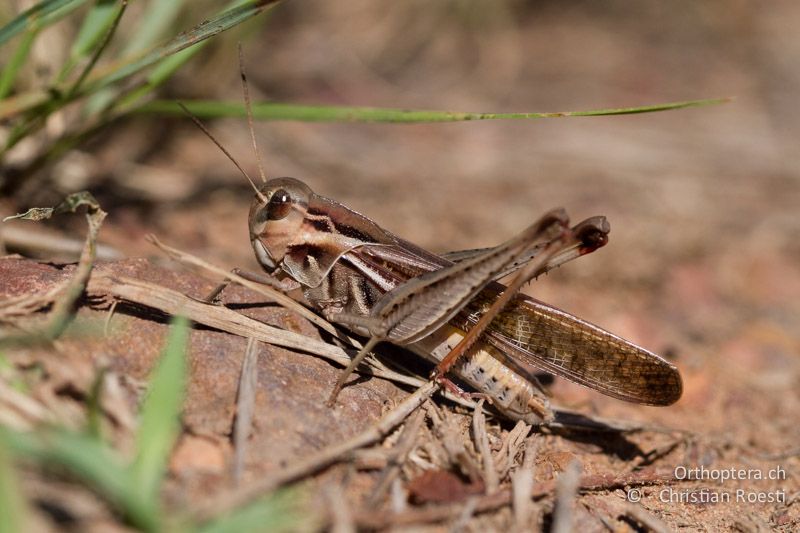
(455, 390)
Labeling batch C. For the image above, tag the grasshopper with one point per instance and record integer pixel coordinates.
(451, 309)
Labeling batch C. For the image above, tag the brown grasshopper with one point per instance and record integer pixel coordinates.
(451, 309)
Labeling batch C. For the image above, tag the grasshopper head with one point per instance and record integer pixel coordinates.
(276, 219)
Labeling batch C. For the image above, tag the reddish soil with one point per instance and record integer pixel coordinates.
(703, 263)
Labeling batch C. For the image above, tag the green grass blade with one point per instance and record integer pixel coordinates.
(110, 29)
(13, 106)
(285, 510)
(9, 74)
(20, 103)
(40, 11)
(157, 19)
(163, 71)
(318, 113)
(13, 509)
(199, 33)
(94, 407)
(95, 25)
(160, 422)
(87, 459)
(95, 28)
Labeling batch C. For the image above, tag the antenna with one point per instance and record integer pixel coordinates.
(249, 109)
(224, 151)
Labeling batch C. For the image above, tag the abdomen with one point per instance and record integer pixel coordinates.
(511, 394)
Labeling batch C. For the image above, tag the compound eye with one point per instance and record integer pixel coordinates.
(279, 205)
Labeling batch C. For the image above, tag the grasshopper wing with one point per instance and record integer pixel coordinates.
(536, 334)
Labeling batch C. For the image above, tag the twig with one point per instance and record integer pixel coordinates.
(451, 438)
(651, 523)
(566, 490)
(339, 510)
(522, 486)
(245, 405)
(404, 446)
(28, 240)
(21, 411)
(109, 316)
(324, 458)
(398, 497)
(64, 296)
(512, 442)
(490, 477)
(467, 511)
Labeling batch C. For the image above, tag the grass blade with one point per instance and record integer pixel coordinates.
(17, 104)
(110, 29)
(12, 506)
(199, 33)
(9, 74)
(319, 113)
(160, 422)
(87, 459)
(11, 107)
(94, 27)
(162, 72)
(38, 12)
(280, 511)
(158, 17)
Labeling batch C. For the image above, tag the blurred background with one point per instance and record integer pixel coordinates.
(703, 264)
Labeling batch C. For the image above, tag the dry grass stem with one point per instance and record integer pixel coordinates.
(467, 512)
(245, 406)
(20, 411)
(63, 296)
(405, 444)
(339, 510)
(513, 441)
(449, 434)
(566, 489)
(490, 477)
(399, 497)
(40, 243)
(27, 304)
(522, 486)
(640, 515)
(109, 316)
